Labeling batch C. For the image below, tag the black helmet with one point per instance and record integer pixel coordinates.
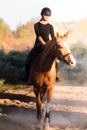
(46, 11)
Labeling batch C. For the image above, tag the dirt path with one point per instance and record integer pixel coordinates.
(68, 109)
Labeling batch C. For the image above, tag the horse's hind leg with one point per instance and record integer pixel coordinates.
(38, 103)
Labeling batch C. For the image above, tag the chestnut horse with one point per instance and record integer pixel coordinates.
(43, 70)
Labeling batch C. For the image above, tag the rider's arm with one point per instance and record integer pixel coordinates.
(52, 31)
(41, 40)
(36, 28)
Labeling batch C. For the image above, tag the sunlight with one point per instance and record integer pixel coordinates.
(16, 12)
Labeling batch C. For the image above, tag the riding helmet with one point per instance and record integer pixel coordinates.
(46, 11)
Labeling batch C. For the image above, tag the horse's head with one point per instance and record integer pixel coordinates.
(64, 52)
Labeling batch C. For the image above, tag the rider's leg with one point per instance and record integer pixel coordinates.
(27, 69)
(31, 56)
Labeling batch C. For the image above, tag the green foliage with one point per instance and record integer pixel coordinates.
(79, 50)
(12, 66)
(12, 63)
(4, 29)
(14, 58)
(25, 31)
(2, 86)
(1, 82)
(22, 32)
(0, 110)
(77, 75)
(1, 53)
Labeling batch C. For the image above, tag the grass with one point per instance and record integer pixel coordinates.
(0, 110)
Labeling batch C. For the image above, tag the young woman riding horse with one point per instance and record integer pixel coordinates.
(42, 30)
(43, 70)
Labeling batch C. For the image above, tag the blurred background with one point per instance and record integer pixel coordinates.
(17, 37)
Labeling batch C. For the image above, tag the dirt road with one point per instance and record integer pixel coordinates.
(68, 109)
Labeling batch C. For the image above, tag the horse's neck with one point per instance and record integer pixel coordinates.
(48, 55)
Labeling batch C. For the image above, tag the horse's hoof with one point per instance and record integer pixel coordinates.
(47, 117)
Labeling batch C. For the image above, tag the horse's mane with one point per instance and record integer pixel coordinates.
(47, 55)
(49, 47)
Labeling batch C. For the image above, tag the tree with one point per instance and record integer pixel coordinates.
(4, 29)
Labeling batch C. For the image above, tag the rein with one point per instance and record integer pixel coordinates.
(63, 58)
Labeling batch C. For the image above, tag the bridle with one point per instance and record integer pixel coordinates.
(63, 58)
(60, 56)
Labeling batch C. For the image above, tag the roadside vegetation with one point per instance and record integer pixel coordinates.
(15, 45)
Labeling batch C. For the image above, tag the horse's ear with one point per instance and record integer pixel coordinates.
(57, 35)
(65, 35)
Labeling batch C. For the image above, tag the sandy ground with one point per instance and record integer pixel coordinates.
(68, 109)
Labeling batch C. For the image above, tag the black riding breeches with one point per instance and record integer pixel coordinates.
(30, 58)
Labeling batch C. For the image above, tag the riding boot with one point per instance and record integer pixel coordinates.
(27, 71)
(28, 76)
(30, 57)
(58, 75)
